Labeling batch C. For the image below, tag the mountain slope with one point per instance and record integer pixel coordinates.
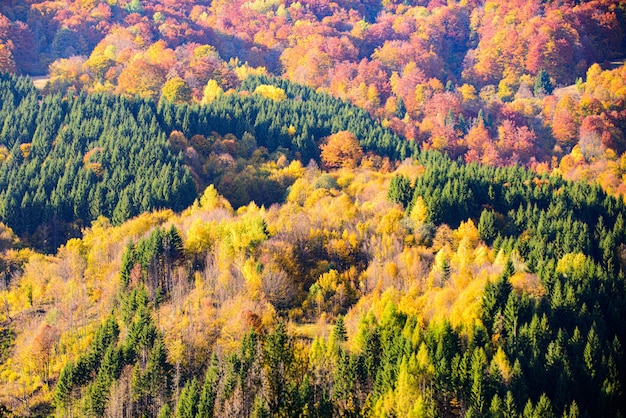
(336, 302)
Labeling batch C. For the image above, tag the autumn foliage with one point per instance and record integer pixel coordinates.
(377, 208)
(341, 150)
(424, 70)
(336, 275)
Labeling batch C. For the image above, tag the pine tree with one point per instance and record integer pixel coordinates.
(495, 296)
(543, 408)
(487, 226)
(128, 262)
(511, 319)
(97, 396)
(509, 410)
(259, 409)
(400, 108)
(188, 401)
(278, 358)
(339, 333)
(206, 405)
(344, 378)
(477, 397)
(543, 85)
(446, 271)
(157, 373)
(400, 190)
(166, 411)
(495, 408)
(64, 387)
(591, 354)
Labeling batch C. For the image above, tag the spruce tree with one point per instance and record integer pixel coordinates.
(487, 226)
(188, 400)
(543, 85)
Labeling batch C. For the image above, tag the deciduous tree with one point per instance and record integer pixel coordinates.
(341, 150)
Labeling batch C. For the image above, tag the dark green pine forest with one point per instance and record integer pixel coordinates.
(71, 158)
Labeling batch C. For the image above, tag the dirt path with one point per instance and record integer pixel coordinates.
(40, 81)
(572, 90)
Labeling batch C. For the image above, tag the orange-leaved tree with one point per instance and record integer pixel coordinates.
(341, 150)
(7, 63)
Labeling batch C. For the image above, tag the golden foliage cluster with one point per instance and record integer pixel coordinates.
(324, 252)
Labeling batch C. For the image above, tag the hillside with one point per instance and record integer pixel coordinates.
(429, 70)
(337, 302)
(280, 208)
(70, 159)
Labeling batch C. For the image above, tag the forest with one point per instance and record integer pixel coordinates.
(435, 289)
(545, 77)
(70, 159)
(277, 208)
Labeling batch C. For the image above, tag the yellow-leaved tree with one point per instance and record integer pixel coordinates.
(212, 91)
(271, 92)
(176, 90)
